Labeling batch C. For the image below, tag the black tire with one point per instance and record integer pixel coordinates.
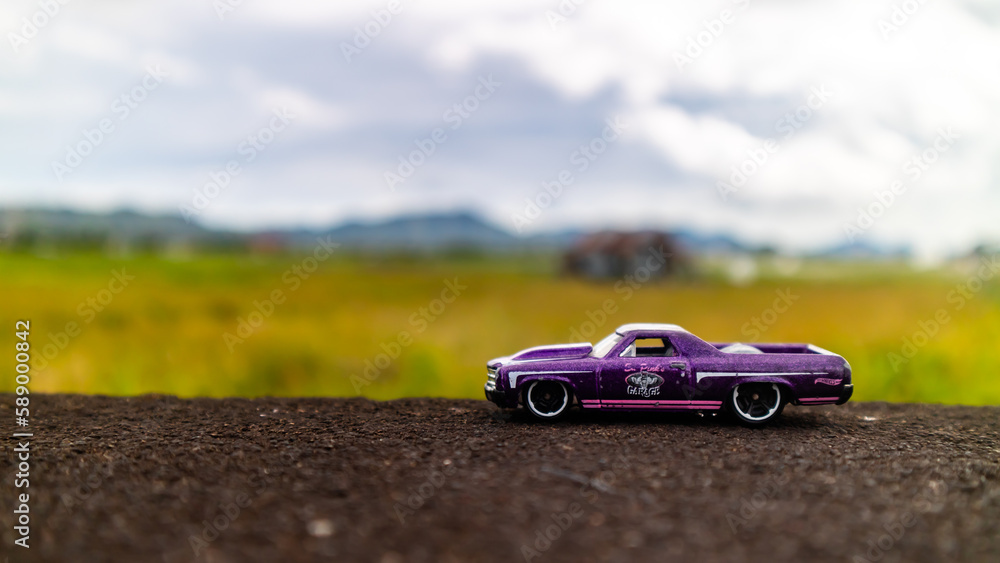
(755, 404)
(547, 400)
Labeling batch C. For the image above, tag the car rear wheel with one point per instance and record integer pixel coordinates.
(756, 403)
(547, 400)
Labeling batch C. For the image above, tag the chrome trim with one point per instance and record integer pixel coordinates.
(491, 379)
(560, 358)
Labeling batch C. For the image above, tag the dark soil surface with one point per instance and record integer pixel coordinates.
(160, 479)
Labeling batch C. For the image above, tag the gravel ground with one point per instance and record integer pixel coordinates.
(160, 479)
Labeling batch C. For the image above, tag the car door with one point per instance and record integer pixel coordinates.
(648, 374)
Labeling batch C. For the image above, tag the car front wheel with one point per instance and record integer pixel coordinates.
(756, 403)
(547, 400)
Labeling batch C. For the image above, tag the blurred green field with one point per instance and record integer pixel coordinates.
(164, 333)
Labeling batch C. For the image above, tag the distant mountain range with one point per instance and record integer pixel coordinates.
(428, 232)
(123, 224)
(32, 227)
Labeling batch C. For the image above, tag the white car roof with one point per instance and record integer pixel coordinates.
(649, 326)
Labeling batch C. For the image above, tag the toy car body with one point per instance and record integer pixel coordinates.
(660, 367)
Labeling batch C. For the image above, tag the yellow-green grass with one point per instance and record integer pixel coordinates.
(165, 332)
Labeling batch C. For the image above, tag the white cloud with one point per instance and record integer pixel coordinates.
(699, 144)
(309, 112)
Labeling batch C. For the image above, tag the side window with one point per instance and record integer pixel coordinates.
(653, 348)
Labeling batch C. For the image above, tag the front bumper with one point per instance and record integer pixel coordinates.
(846, 394)
(500, 397)
(491, 393)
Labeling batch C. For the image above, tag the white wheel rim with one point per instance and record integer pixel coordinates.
(554, 413)
(770, 412)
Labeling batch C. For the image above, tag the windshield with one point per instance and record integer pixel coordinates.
(605, 346)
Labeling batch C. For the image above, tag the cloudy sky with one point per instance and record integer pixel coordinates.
(775, 120)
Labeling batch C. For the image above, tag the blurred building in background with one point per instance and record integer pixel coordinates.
(614, 254)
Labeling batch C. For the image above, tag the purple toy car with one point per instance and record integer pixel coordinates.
(664, 367)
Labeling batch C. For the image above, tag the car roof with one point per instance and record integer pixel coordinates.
(650, 327)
